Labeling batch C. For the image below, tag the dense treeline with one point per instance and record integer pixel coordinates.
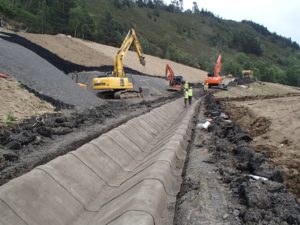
(248, 42)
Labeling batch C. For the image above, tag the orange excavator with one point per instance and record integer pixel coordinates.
(175, 82)
(215, 79)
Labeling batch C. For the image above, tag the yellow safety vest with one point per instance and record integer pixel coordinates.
(186, 94)
(186, 85)
(190, 92)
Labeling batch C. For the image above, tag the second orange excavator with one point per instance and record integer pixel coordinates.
(175, 82)
(214, 79)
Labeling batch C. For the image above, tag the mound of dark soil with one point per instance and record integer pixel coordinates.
(264, 200)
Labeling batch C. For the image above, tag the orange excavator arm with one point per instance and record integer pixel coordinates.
(171, 76)
(218, 66)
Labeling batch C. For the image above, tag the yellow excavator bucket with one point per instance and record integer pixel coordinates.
(84, 86)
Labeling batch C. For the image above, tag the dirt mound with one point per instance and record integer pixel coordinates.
(264, 200)
(253, 124)
(17, 103)
(42, 78)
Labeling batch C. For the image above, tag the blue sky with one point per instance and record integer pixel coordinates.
(282, 17)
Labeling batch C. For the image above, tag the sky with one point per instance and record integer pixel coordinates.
(280, 16)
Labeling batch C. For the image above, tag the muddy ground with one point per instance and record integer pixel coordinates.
(275, 125)
(219, 186)
(40, 139)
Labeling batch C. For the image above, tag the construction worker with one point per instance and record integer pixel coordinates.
(190, 95)
(186, 97)
(186, 85)
(205, 88)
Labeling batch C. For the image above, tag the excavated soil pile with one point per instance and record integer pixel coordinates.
(274, 123)
(263, 201)
(40, 76)
(38, 140)
(253, 124)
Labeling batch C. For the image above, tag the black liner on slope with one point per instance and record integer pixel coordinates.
(55, 60)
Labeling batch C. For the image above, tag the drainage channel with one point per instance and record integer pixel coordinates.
(130, 175)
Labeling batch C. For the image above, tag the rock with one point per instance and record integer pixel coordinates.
(61, 130)
(8, 155)
(23, 137)
(44, 131)
(236, 212)
(225, 216)
(15, 145)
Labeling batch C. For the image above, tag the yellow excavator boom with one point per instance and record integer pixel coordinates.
(118, 80)
(130, 39)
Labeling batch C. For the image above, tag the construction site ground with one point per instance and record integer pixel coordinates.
(158, 165)
(272, 119)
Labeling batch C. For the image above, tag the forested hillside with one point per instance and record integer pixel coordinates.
(193, 37)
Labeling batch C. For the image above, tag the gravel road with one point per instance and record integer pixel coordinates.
(42, 77)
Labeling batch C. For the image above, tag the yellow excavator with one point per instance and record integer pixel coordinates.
(117, 82)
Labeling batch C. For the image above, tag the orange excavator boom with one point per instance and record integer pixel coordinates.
(218, 66)
(169, 71)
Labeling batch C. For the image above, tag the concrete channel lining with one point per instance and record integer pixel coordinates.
(130, 175)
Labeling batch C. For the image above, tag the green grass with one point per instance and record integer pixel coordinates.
(9, 120)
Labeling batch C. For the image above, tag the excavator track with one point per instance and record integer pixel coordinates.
(127, 94)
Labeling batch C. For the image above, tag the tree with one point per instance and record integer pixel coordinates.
(246, 42)
(195, 8)
(80, 22)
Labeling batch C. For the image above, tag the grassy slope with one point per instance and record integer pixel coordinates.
(202, 28)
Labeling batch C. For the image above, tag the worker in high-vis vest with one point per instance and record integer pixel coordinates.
(205, 88)
(186, 85)
(186, 97)
(190, 95)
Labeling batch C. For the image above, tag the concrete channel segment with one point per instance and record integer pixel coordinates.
(128, 176)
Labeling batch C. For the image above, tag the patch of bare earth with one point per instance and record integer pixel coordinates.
(275, 125)
(18, 103)
(69, 49)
